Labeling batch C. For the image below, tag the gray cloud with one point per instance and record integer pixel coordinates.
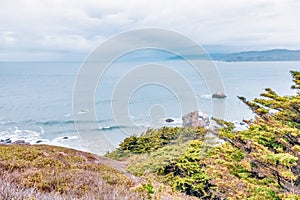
(53, 27)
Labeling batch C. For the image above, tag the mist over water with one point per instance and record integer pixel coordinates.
(36, 97)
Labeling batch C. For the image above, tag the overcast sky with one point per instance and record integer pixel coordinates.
(70, 29)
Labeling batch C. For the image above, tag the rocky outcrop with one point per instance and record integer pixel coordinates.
(219, 95)
(196, 118)
(21, 142)
(8, 141)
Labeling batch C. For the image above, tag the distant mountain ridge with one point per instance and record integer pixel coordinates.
(249, 56)
(268, 55)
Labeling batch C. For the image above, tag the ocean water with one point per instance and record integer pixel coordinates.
(36, 99)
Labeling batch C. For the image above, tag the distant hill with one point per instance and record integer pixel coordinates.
(269, 55)
(248, 56)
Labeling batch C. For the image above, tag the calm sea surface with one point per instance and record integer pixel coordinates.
(36, 98)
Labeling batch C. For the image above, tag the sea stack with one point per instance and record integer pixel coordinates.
(219, 95)
(196, 118)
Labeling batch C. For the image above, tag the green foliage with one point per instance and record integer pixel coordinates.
(226, 125)
(157, 160)
(154, 139)
(149, 188)
(186, 173)
(270, 167)
(174, 157)
(178, 165)
(296, 80)
(262, 162)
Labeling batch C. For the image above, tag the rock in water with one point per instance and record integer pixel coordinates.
(219, 95)
(20, 142)
(6, 141)
(169, 120)
(196, 118)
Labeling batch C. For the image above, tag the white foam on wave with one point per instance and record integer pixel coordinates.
(35, 137)
(67, 115)
(142, 123)
(64, 139)
(15, 134)
(81, 112)
(73, 142)
(105, 127)
(206, 96)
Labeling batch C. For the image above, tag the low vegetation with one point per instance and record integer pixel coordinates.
(48, 172)
(42, 172)
(155, 139)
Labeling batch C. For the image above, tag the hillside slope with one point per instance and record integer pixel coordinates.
(262, 162)
(268, 55)
(55, 173)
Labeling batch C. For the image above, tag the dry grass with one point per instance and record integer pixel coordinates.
(13, 191)
(47, 172)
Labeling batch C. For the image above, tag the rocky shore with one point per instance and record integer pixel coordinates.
(8, 141)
